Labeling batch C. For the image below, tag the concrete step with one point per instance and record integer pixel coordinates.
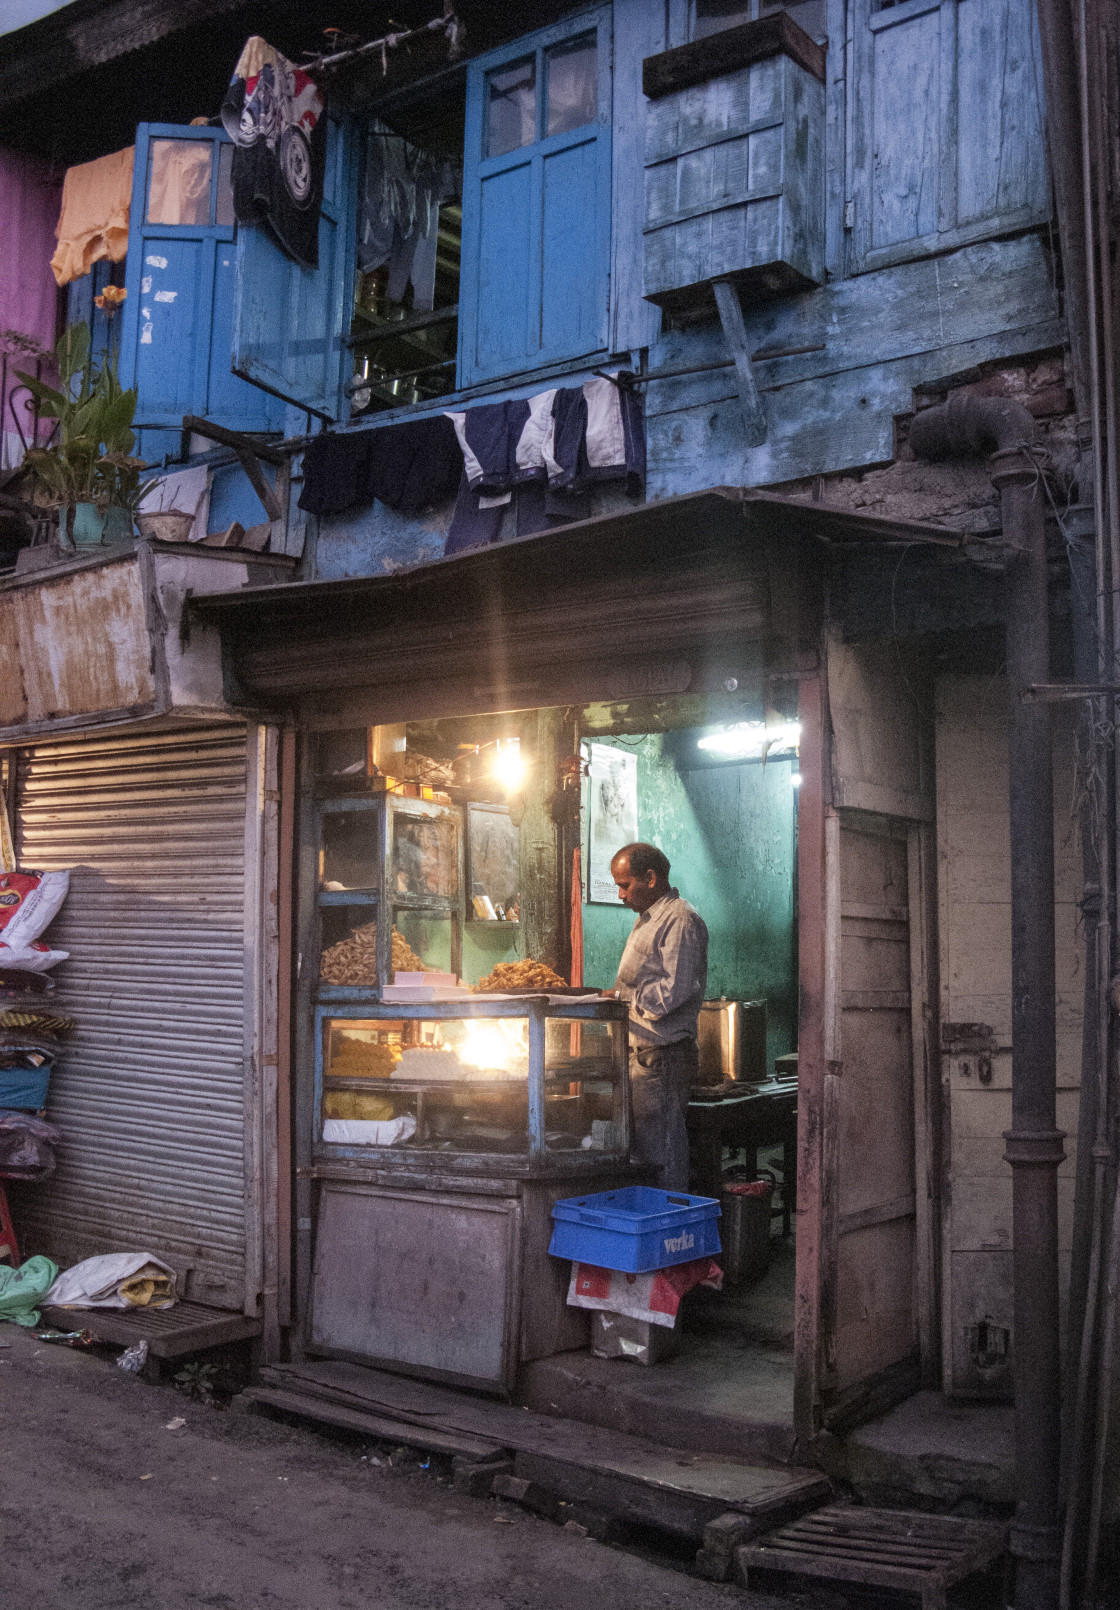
(712, 1399)
(630, 1478)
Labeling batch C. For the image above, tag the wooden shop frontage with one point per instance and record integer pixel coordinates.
(458, 743)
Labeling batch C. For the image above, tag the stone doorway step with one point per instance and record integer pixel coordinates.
(587, 1475)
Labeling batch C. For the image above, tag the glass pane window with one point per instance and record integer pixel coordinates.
(179, 182)
(421, 942)
(573, 84)
(712, 16)
(512, 107)
(348, 857)
(425, 855)
(584, 1086)
(223, 213)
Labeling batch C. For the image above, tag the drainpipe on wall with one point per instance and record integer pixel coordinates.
(966, 426)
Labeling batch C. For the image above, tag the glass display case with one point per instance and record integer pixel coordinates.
(389, 878)
(505, 1077)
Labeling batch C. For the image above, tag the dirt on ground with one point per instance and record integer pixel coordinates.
(106, 1504)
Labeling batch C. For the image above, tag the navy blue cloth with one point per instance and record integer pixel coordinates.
(472, 527)
(411, 466)
(493, 432)
(335, 472)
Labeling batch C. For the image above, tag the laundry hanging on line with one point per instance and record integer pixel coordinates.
(273, 113)
(548, 449)
(544, 452)
(93, 221)
(398, 222)
(412, 466)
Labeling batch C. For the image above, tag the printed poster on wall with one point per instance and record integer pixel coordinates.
(612, 817)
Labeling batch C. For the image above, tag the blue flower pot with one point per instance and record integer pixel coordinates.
(93, 529)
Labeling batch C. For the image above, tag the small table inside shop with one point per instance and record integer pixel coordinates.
(738, 1115)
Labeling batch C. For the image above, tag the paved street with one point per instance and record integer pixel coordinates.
(101, 1506)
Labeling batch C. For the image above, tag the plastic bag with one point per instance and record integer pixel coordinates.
(33, 958)
(27, 1146)
(133, 1359)
(29, 902)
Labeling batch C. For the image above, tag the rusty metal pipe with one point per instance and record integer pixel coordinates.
(970, 425)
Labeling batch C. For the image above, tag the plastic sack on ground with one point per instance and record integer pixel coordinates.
(22, 1290)
(34, 958)
(29, 901)
(115, 1280)
(27, 1146)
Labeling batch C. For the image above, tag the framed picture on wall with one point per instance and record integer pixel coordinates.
(612, 815)
(493, 864)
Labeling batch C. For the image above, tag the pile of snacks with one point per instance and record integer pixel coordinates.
(354, 960)
(357, 1104)
(510, 978)
(363, 1059)
(405, 959)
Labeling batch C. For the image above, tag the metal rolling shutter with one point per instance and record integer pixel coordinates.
(150, 1094)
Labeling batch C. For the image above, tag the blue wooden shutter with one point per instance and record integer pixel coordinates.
(536, 224)
(291, 323)
(176, 326)
(948, 126)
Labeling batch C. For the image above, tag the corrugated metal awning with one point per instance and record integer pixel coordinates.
(683, 576)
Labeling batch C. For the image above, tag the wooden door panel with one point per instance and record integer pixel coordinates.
(875, 1317)
(873, 1324)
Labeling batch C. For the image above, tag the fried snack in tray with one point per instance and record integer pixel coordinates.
(509, 978)
(354, 960)
(362, 1059)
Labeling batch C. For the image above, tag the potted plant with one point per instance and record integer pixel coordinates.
(89, 472)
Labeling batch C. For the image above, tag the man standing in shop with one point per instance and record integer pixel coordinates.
(663, 975)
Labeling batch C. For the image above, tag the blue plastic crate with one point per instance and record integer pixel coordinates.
(24, 1087)
(635, 1230)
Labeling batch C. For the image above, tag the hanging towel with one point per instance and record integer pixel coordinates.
(93, 223)
(273, 113)
(115, 1280)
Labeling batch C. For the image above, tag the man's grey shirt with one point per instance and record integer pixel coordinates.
(664, 972)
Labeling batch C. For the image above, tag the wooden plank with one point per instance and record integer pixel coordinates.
(901, 1207)
(812, 1056)
(557, 1453)
(639, 31)
(169, 1333)
(729, 49)
(373, 1425)
(731, 318)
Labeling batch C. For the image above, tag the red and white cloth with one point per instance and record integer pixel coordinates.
(654, 1297)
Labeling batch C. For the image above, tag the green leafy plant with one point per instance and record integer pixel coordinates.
(92, 460)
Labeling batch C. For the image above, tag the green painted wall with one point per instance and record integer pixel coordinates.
(730, 833)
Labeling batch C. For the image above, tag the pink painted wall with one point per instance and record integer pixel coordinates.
(30, 196)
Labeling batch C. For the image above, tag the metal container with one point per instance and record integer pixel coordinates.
(745, 1225)
(732, 1039)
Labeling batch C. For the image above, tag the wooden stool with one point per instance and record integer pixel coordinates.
(9, 1246)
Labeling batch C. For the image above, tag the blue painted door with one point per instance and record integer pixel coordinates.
(290, 323)
(176, 334)
(537, 202)
(948, 124)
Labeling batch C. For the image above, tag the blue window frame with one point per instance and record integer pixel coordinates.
(535, 280)
(177, 322)
(291, 323)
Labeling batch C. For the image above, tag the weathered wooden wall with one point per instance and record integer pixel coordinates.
(974, 899)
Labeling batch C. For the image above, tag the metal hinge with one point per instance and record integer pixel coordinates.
(849, 215)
